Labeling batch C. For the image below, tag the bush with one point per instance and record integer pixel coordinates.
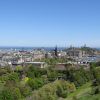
(33, 72)
(25, 90)
(53, 91)
(35, 83)
(10, 94)
(14, 77)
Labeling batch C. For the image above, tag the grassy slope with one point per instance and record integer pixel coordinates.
(90, 97)
(82, 91)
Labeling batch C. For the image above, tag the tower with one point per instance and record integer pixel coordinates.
(56, 51)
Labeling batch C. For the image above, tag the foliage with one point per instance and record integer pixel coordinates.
(19, 68)
(52, 75)
(79, 77)
(10, 94)
(13, 77)
(53, 91)
(25, 90)
(45, 84)
(53, 61)
(2, 71)
(96, 82)
(35, 83)
(33, 72)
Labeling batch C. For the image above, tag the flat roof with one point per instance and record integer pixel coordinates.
(34, 62)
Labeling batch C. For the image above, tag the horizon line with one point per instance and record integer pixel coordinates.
(48, 46)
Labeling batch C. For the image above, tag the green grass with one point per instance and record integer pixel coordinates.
(80, 92)
(90, 97)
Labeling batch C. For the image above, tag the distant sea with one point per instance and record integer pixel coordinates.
(33, 48)
(30, 48)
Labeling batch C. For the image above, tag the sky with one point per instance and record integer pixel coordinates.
(50, 22)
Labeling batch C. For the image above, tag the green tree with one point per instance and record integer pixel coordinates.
(52, 75)
(35, 83)
(25, 90)
(6, 95)
(33, 72)
(10, 94)
(14, 77)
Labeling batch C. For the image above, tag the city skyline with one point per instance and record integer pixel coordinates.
(46, 23)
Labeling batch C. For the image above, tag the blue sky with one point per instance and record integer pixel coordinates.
(49, 22)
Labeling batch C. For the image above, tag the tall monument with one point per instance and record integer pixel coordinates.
(56, 51)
